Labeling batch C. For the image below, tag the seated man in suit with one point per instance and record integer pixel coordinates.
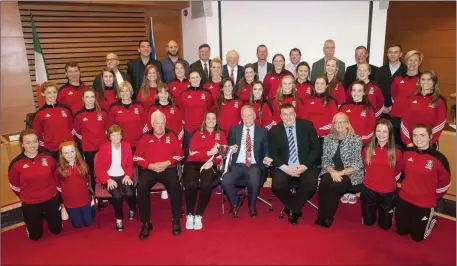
(112, 62)
(318, 66)
(294, 148)
(361, 56)
(203, 64)
(250, 145)
(232, 69)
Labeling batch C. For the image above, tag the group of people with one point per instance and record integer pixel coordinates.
(291, 122)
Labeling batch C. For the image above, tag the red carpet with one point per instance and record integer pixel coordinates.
(223, 240)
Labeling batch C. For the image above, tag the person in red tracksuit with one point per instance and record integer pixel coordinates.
(271, 82)
(286, 94)
(320, 107)
(53, 121)
(383, 163)
(427, 106)
(302, 84)
(72, 175)
(90, 127)
(213, 84)
(228, 106)
(427, 178)
(200, 168)
(165, 104)
(263, 107)
(374, 93)
(194, 102)
(335, 84)
(70, 93)
(31, 177)
(107, 93)
(128, 114)
(148, 89)
(360, 112)
(403, 87)
(180, 82)
(244, 87)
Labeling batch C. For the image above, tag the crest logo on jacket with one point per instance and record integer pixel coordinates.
(308, 90)
(429, 165)
(44, 162)
(172, 110)
(218, 136)
(63, 113)
(235, 104)
(203, 97)
(363, 113)
(99, 117)
(371, 90)
(167, 140)
(136, 111)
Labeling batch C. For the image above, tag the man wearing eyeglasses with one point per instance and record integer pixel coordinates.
(112, 62)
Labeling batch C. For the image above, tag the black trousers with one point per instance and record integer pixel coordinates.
(89, 158)
(377, 205)
(118, 193)
(187, 138)
(280, 187)
(33, 217)
(194, 179)
(414, 220)
(55, 155)
(330, 194)
(169, 178)
(396, 124)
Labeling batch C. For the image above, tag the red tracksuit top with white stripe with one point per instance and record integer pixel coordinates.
(339, 93)
(375, 97)
(271, 83)
(73, 188)
(379, 176)
(229, 114)
(131, 118)
(244, 95)
(427, 177)
(304, 90)
(420, 111)
(194, 103)
(148, 101)
(362, 119)
(202, 142)
(172, 116)
(104, 161)
(152, 149)
(110, 98)
(71, 96)
(264, 117)
(321, 116)
(287, 99)
(176, 87)
(214, 88)
(54, 124)
(33, 180)
(402, 88)
(91, 127)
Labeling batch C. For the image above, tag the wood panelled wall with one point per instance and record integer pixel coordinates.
(430, 28)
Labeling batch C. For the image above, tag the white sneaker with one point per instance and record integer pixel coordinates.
(345, 198)
(352, 199)
(164, 194)
(198, 222)
(190, 222)
(64, 214)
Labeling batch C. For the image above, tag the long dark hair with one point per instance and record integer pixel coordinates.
(243, 82)
(220, 98)
(263, 97)
(326, 96)
(303, 63)
(272, 70)
(163, 87)
(365, 102)
(101, 91)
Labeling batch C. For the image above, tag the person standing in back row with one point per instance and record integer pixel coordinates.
(203, 64)
(319, 66)
(361, 57)
(262, 67)
(168, 63)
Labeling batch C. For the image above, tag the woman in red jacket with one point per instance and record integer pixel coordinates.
(302, 84)
(228, 106)
(201, 168)
(360, 112)
(216, 76)
(180, 82)
(114, 170)
(263, 107)
(272, 79)
(148, 90)
(383, 164)
(72, 175)
(427, 106)
(245, 85)
(31, 177)
(335, 85)
(107, 94)
(427, 178)
(286, 94)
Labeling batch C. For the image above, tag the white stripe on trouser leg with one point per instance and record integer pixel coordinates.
(430, 224)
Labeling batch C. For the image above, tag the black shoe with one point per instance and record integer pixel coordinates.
(293, 218)
(145, 230)
(100, 205)
(176, 227)
(119, 226)
(253, 213)
(131, 215)
(319, 221)
(327, 223)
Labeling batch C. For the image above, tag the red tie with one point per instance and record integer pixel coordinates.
(248, 148)
(232, 76)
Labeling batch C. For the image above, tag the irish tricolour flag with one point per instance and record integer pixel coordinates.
(41, 72)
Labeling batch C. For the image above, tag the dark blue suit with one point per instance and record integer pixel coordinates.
(253, 176)
(239, 75)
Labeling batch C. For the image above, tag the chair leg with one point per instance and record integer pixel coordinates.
(96, 212)
(270, 199)
(222, 200)
(266, 203)
(281, 214)
(312, 204)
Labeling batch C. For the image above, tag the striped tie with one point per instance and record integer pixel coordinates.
(292, 150)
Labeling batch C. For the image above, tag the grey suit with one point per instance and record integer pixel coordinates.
(318, 69)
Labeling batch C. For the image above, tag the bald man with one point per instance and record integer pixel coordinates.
(112, 62)
(168, 63)
(232, 69)
(318, 66)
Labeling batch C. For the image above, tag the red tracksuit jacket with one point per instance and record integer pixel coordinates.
(172, 116)
(379, 176)
(148, 101)
(110, 98)
(33, 180)
(402, 88)
(244, 95)
(91, 127)
(152, 149)
(54, 124)
(321, 116)
(420, 111)
(202, 142)
(362, 119)
(304, 90)
(131, 118)
(214, 88)
(427, 177)
(339, 93)
(194, 103)
(374, 96)
(264, 115)
(229, 115)
(104, 159)
(71, 96)
(73, 187)
(176, 87)
(288, 99)
(271, 83)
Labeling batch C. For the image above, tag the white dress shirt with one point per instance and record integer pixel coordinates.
(119, 77)
(262, 69)
(116, 169)
(242, 149)
(291, 67)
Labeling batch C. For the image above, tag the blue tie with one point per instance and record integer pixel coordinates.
(292, 151)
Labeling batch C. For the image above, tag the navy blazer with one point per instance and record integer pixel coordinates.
(260, 143)
(239, 74)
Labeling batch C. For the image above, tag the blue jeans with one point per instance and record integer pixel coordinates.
(81, 216)
(241, 175)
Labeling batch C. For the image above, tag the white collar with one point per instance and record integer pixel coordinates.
(251, 128)
(203, 63)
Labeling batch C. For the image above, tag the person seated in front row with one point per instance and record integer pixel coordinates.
(294, 148)
(157, 154)
(114, 170)
(200, 168)
(342, 167)
(250, 147)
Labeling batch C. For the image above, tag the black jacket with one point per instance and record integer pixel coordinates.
(256, 67)
(135, 69)
(239, 73)
(383, 79)
(351, 75)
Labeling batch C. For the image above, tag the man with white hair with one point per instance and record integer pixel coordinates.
(232, 69)
(157, 154)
